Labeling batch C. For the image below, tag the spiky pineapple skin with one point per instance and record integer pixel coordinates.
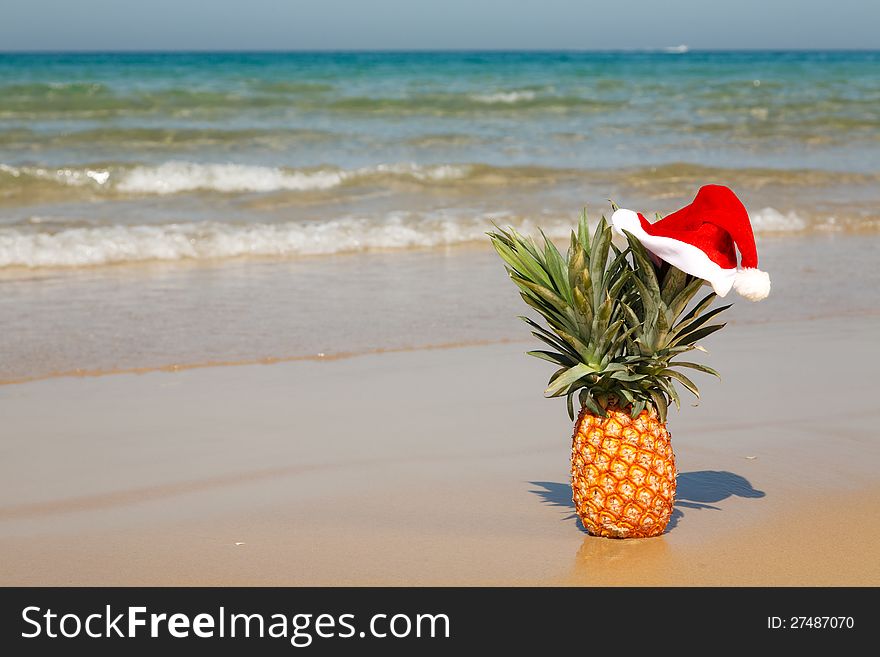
(622, 473)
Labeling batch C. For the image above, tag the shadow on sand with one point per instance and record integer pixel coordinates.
(694, 490)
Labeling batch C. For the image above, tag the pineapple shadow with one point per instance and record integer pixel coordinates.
(701, 489)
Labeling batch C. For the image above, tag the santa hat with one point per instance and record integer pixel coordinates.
(699, 239)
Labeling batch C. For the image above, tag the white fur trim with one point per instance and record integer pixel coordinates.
(687, 257)
(753, 284)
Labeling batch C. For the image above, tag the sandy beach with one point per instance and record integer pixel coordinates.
(440, 467)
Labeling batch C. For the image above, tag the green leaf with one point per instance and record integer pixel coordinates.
(554, 341)
(650, 305)
(619, 263)
(514, 250)
(638, 407)
(699, 334)
(544, 293)
(582, 306)
(631, 318)
(621, 339)
(552, 357)
(696, 366)
(673, 284)
(558, 344)
(547, 311)
(576, 262)
(607, 339)
(659, 403)
(587, 400)
(603, 315)
(624, 376)
(683, 298)
(585, 352)
(557, 269)
(671, 351)
(662, 326)
(681, 378)
(696, 322)
(669, 389)
(599, 259)
(645, 266)
(571, 376)
(509, 256)
(584, 232)
(528, 245)
(704, 303)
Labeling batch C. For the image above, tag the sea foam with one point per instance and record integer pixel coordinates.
(504, 97)
(771, 220)
(178, 176)
(33, 246)
(89, 246)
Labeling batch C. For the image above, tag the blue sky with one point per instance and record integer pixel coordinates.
(436, 24)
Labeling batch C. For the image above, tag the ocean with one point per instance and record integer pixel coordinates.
(178, 209)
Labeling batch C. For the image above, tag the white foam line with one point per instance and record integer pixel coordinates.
(176, 177)
(77, 247)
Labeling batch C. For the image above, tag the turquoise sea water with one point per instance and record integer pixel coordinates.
(109, 158)
(584, 110)
(158, 209)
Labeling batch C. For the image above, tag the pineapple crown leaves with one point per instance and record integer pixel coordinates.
(615, 318)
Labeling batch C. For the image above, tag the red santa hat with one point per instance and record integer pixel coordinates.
(699, 239)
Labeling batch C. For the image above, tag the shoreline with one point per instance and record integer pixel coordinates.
(344, 355)
(268, 360)
(167, 318)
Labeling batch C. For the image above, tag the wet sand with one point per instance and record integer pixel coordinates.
(176, 315)
(438, 467)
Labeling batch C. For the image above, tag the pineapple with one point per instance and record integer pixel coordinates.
(616, 323)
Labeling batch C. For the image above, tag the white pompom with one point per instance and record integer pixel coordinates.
(626, 220)
(753, 284)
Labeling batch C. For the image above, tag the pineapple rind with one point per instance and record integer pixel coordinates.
(622, 474)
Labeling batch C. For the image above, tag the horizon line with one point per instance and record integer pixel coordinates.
(659, 49)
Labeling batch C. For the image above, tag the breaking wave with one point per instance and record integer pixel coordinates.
(35, 245)
(177, 177)
(89, 246)
(504, 97)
